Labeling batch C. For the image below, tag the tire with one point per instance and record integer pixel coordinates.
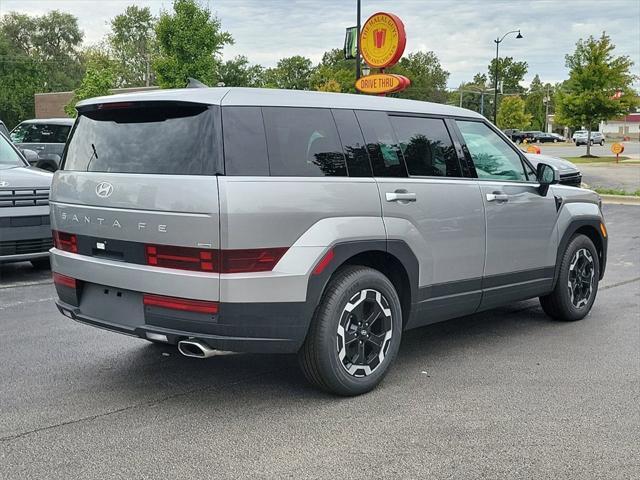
(339, 333)
(566, 302)
(555, 140)
(41, 263)
(602, 143)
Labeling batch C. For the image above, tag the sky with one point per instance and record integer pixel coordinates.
(460, 32)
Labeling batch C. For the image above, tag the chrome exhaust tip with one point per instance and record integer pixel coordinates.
(196, 349)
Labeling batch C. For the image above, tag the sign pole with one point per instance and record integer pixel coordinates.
(358, 44)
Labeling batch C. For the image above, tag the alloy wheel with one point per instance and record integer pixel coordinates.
(581, 277)
(364, 332)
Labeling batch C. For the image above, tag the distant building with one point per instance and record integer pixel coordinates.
(627, 126)
(51, 105)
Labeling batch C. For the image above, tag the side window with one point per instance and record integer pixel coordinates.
(303, 142)
(353, 145)
(426, 146)
(491, 155)
(386, 158)
(245, 144)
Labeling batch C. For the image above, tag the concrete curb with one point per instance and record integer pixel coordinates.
(620, 199)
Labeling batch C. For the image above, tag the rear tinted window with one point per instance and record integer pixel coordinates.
(386, 158)
(353, 145)
(426, 146)
(40, 133)
(303, 142)
(245, 144)
(156, 138)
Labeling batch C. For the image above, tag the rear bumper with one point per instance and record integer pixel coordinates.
(255, 328)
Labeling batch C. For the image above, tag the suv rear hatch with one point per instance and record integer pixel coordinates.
(136, 204)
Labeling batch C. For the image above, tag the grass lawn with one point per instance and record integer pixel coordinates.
(616, 191)
(598, 160)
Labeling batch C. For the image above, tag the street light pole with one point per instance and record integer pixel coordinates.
(358, 44)
(498, 41)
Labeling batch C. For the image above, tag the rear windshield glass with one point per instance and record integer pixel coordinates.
(155, 138)
(40, 133)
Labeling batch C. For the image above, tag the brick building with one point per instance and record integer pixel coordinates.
(51, 105)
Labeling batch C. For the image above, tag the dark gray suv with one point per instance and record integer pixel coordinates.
(25, 232)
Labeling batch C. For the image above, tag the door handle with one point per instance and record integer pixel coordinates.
(497, 197)
(400, 196)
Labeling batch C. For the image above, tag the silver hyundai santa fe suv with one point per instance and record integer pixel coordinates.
(325, 224)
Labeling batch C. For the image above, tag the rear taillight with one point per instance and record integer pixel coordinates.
(250, 260)
(65, 241)
(219, 261)
(183, 304)
(64, 281)
(183, 258)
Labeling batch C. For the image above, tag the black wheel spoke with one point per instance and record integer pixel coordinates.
(350, 337)
(375, 315)
(376, 340)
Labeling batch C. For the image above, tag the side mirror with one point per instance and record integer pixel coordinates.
(30, 156)
(547, 175)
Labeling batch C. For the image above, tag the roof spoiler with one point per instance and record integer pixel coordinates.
(193, 83)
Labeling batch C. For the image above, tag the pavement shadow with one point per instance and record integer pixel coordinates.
(256, 377)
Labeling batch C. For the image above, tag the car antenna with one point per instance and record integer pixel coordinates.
(193, 83)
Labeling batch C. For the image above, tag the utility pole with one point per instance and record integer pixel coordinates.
(547, 99)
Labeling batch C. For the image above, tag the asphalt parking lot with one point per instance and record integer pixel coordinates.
(503, 394)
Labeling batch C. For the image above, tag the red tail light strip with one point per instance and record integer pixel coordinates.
(206, 260)
(64, 281)
(186, 305)
(65, 241)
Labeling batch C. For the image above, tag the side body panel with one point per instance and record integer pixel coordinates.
(445, 228)
(522, 241)
(307, 215)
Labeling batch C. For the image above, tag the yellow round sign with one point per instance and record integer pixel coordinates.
(382, 40)
(617, 148)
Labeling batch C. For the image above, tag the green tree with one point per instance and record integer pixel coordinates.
(510, 74)
(599, 85)
(53, 40)
(535, 103)
(511, 113)
(21, 77)
(99, 79)
(131, 43)
(238, 72)
(190, 41)
(334, 70)
(428, 78)
(292, 73)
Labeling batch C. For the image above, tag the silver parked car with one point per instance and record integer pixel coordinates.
(569, 173)
(45, 136)
(25, 230)
(580, 138)
(260, 220)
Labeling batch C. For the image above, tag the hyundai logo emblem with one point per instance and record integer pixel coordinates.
(104, 189)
